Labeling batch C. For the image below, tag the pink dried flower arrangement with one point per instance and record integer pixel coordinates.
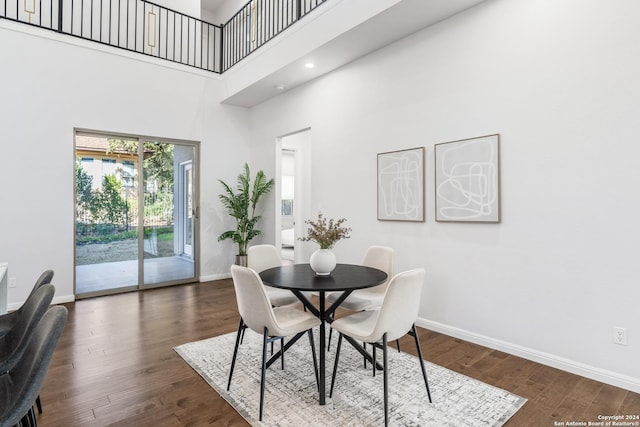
(326, 233)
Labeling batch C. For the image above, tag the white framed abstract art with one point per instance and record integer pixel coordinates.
(467, 180)
(401, 185)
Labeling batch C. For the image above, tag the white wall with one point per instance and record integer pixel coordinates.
(51, 87)
(559, 81)
(209, 16)
(227, 10)
(188, 7)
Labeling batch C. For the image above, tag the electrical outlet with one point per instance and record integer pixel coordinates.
(619, 335)
(12, 282)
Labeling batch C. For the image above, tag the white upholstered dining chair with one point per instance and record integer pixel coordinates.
(263, 257)
(272, 323)
(395, 318)
(380, 257)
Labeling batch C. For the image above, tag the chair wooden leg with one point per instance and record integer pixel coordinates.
(398, 345)
(386, 379)
(235, 351)
(424, 371)
(335, 365)
(264, 368)
(26, 420)
(29, 419)
(39, 404)
(315, 359)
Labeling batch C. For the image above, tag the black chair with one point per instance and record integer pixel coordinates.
(8, 320)
(14, 342)
(21, 385)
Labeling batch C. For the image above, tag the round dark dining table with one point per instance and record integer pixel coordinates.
(345, 278)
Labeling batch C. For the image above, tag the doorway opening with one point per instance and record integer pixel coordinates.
(293, 197)
(136, 215)
(287, 194)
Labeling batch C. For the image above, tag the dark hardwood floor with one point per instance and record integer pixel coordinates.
(115, 365)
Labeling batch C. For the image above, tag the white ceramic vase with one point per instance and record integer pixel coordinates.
(323, 261)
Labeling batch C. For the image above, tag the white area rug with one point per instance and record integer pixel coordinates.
(291, 397)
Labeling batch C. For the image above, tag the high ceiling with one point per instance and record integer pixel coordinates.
(398, 21)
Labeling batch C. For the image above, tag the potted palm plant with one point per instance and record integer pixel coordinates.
(241, 205)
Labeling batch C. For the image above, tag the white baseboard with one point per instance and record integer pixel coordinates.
(14, 306)
(211, 277)
(63, 299)
(578, 368)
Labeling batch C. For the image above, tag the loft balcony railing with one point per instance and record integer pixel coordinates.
(258, 22)
(135, 25)
(147, 28)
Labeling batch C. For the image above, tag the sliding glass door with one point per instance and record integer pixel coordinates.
(106, 187)
(169, 214)
(136, 215)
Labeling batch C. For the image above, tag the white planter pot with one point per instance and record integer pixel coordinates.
(323, 261)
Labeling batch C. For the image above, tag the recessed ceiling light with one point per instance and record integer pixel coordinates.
(279, 86)
(309, 65)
